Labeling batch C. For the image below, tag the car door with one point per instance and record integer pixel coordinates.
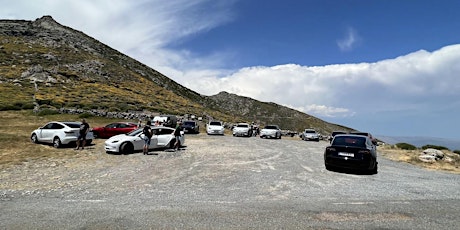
(164, 136)
(110, 130)
(49, 131)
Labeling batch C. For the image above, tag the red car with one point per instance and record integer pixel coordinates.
(114, 129)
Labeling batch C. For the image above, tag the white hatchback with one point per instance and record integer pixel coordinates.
(163, 137)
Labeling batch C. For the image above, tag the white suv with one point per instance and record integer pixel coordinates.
(270, 131)
(242, 129)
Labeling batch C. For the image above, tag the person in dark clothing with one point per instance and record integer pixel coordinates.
(84, 129)
(147, 131)
(177, 135)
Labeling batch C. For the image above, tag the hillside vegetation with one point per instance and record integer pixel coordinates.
(45, 65)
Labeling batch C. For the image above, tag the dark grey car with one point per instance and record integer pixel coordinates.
(350, 151)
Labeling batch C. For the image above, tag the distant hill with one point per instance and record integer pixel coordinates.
(45, 65)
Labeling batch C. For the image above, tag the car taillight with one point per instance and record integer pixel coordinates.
(364, 151)
(330, 149)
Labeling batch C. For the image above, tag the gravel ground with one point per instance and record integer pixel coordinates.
(222, 182)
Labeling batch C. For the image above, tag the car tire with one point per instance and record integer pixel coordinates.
(57, 142)
(375, 169)
(127, 148)
(88, 142)
(34, 138)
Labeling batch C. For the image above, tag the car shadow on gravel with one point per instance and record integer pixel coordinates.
(351, 171)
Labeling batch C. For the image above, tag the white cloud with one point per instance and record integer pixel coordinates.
(420, 82)
(349, 40)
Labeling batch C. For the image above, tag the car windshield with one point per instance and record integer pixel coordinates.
(189, 123)
(215, 123)
(350, 141)
(310, 131)
(243, 125)
(134, 132)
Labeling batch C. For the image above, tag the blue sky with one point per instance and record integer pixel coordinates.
(390, 67)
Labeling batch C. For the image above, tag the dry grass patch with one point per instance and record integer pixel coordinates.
(450, 163)
(15, 145)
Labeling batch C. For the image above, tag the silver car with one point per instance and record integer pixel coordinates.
(310, 135)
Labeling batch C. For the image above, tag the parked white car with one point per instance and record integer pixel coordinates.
(242, 129)
(270, 131)
(215, 127)
(310, 135)
(163, 137)
(59, 133)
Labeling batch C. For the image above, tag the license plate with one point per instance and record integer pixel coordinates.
(346, 154)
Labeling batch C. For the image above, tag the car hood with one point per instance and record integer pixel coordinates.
(121, 137)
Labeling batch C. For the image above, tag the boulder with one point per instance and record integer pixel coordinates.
(431, 155)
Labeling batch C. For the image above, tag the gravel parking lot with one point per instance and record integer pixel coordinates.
(222, 182)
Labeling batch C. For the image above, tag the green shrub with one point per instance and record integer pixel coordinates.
(435, 147)
(457, 151)
(85, 115)
(406, 146)
(45, 112)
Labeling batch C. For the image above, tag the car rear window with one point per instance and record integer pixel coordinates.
(310, 131)
(189, 123)
(72, 124)
(349, 141)
(270, 127)
(242, 125)
(214, 123)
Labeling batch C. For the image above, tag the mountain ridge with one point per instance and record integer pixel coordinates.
(46, 65)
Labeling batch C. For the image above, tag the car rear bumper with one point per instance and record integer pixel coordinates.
(350, 163)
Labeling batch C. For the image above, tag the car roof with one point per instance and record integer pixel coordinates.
(350, 135)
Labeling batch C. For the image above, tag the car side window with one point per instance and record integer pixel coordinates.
(56, 126)
(48, 126)
(111, 126)
(165, 131)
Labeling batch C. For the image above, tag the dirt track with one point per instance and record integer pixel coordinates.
(222, 182)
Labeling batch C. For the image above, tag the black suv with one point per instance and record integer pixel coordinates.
(190, 127)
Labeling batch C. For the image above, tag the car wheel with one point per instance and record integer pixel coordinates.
(88, 142)
(127, 148)
(34, 138)
(57, 142)
(375, 169)
(95, 134)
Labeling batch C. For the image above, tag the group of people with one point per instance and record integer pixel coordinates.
(148, 133)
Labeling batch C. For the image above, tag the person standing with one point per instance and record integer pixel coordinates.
(177, 135)
(84, 129)
(147, 131)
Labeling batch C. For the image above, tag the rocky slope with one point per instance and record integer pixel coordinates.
(44, 64)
